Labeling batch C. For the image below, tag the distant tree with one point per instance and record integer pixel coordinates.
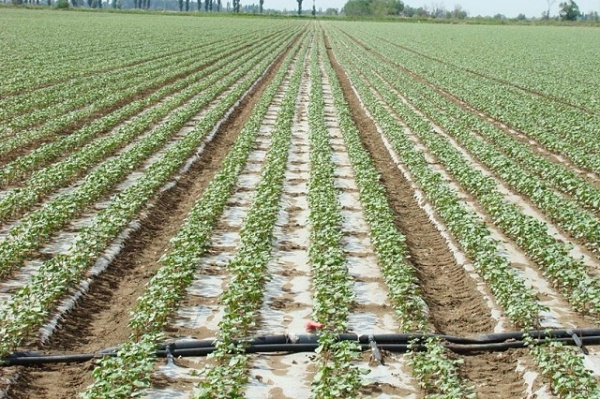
(260, 6)
(569, 11)
(356, 8)
(458, 12)
(546, 14)
(180, 5)
(381, 8)
(421, 12)
(591, 16)
(499, 16)
(521, 17)
(331, 11)
(299, 7)
(438, 10)
(373, 7)
(187, 5)
(314, 11)
(218, 5)
(62, 4)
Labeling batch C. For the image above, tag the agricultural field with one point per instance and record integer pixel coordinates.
(219, 207)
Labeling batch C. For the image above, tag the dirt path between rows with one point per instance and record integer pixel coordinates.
(100, 319)
(455, 305)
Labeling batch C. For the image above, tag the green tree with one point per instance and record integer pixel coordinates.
(260, 6)
(569, 11)
(356, 8)
(299, 7)
(546, 14)
(382, 8)
(458, 12)
(377, 8)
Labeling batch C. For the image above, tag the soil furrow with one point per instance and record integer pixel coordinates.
(100, 318)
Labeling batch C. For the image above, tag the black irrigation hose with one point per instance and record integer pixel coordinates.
(308, 343)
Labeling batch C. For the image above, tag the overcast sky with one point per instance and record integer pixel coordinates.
(510, 8)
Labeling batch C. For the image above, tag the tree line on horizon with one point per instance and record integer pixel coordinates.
(568, 10)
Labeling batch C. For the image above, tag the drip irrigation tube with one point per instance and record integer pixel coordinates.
(308, 343)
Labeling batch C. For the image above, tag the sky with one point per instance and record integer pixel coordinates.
(510, 8)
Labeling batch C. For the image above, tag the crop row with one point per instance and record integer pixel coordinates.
(565, 272)
(38, 226)
(64, 172)
(22, 166)
(111, 98)
(509, 290)
(391, 251)
(29, 307)
(167, 287)
(332, 286)
(244, 295)
(558, 127)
